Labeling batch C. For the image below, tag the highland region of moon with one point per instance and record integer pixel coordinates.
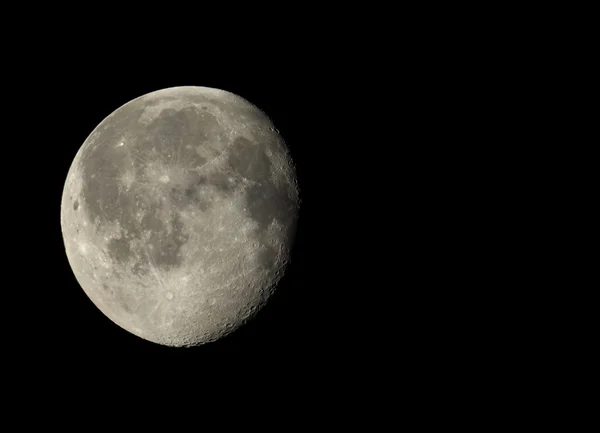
(179, 213)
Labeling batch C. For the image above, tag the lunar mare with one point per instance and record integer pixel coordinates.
(179, 213)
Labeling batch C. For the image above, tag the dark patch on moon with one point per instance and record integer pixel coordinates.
(264, 203)
(249, 160)
(100, 188)
(266, 256)
(204, 99)
(192, 193)
(168, 131)
(221, 181)
(75, 205)
(106, 202)
(167, 236)
(119, 250)
(151, 222)
(160, 136)
(189, 195)
(202, 204)
(163, 246)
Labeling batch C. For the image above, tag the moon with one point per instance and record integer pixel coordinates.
(179, 212)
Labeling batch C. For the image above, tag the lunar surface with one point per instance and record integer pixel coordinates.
(178, 214)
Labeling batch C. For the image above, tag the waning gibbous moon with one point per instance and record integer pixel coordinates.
(179, 212)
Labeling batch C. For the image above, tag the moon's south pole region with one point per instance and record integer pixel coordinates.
(179, 213)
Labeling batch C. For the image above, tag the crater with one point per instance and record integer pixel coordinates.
(125, 306)
(140, 269)
(75, 205)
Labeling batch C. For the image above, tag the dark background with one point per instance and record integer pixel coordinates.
(345, 126)
(405, 130)
(362, 284)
